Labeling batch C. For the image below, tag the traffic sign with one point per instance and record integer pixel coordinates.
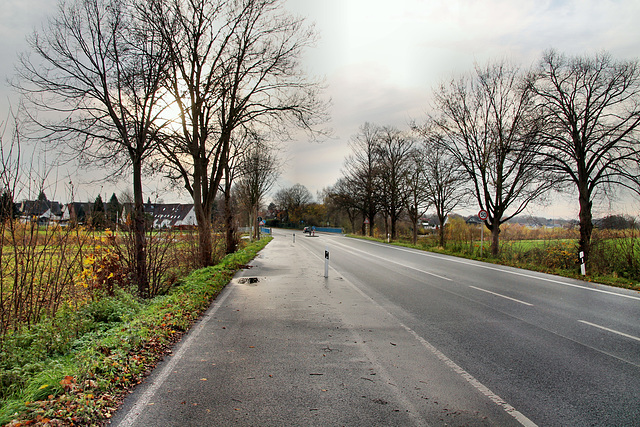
(483, 215)
(366, 220)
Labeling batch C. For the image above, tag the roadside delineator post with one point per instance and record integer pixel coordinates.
(326, 262)
(583, 267)
(294, 237)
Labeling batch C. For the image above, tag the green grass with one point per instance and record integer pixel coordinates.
(46, 375)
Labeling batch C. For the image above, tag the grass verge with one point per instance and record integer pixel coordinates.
(85, 385)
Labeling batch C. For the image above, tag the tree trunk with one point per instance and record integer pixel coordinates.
(230, 229)
(495, 239)
(140, 258)
(205, 243)
(256, 233)
(586, 224)
(393, 220)
(442, 219)
(415, 231)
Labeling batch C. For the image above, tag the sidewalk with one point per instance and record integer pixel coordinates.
(282, 345)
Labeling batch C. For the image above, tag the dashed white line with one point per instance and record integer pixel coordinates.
(502, 296)
(609, 330)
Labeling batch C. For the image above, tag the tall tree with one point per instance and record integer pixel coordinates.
(235, 63)
(488, 124)
(260, 170)
(444, 181)
(592, 107)
(417, 200)
(394, 148)
(341, 197)
(100, 68)
(362, 172)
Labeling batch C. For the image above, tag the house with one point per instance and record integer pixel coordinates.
(42, 211)
(162, 215)
(171, 215)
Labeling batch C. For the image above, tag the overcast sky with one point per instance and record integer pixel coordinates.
(380, 60)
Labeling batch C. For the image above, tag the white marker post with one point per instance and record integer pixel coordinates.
(326, 262)
(294, 237)
(583, 267)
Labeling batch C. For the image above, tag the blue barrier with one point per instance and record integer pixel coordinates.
(265, 230)
(329, 230)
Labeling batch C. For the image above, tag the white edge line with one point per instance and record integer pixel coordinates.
(136, 410)
(519, 416)
(478, 264)
(500, 295)
(609, 330)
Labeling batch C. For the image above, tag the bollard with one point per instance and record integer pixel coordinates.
(326, 262)
(294, 237)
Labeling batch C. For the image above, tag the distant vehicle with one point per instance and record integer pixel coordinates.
(306, 230)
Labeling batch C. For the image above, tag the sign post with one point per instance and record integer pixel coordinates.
(483, 215)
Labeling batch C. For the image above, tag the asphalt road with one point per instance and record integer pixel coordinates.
(398, 337)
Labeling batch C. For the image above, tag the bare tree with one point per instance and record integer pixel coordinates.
(592, 107)
(342, 197)
(99, 70)
(260, 168)
(235, 64)
(361, 172)
(293, 200)
(488, 124)
(444, 181)
(394, 148)
(417, 200)
(233, 169)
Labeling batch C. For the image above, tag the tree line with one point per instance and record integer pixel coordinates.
(190, 90)
(499, 138)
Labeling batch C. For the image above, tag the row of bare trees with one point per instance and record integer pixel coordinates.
(504, 137)
(173, 87)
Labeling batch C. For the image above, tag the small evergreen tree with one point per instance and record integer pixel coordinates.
(98, 219)
(113, 209)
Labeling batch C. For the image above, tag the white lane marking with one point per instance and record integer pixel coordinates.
(519, 416)
(500, 295)
(144, 400)
(609, 330)
(349, 249)
(530, 276)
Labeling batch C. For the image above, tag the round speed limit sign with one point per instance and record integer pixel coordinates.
(483, 215)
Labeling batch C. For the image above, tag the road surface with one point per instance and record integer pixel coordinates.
(396, 336)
